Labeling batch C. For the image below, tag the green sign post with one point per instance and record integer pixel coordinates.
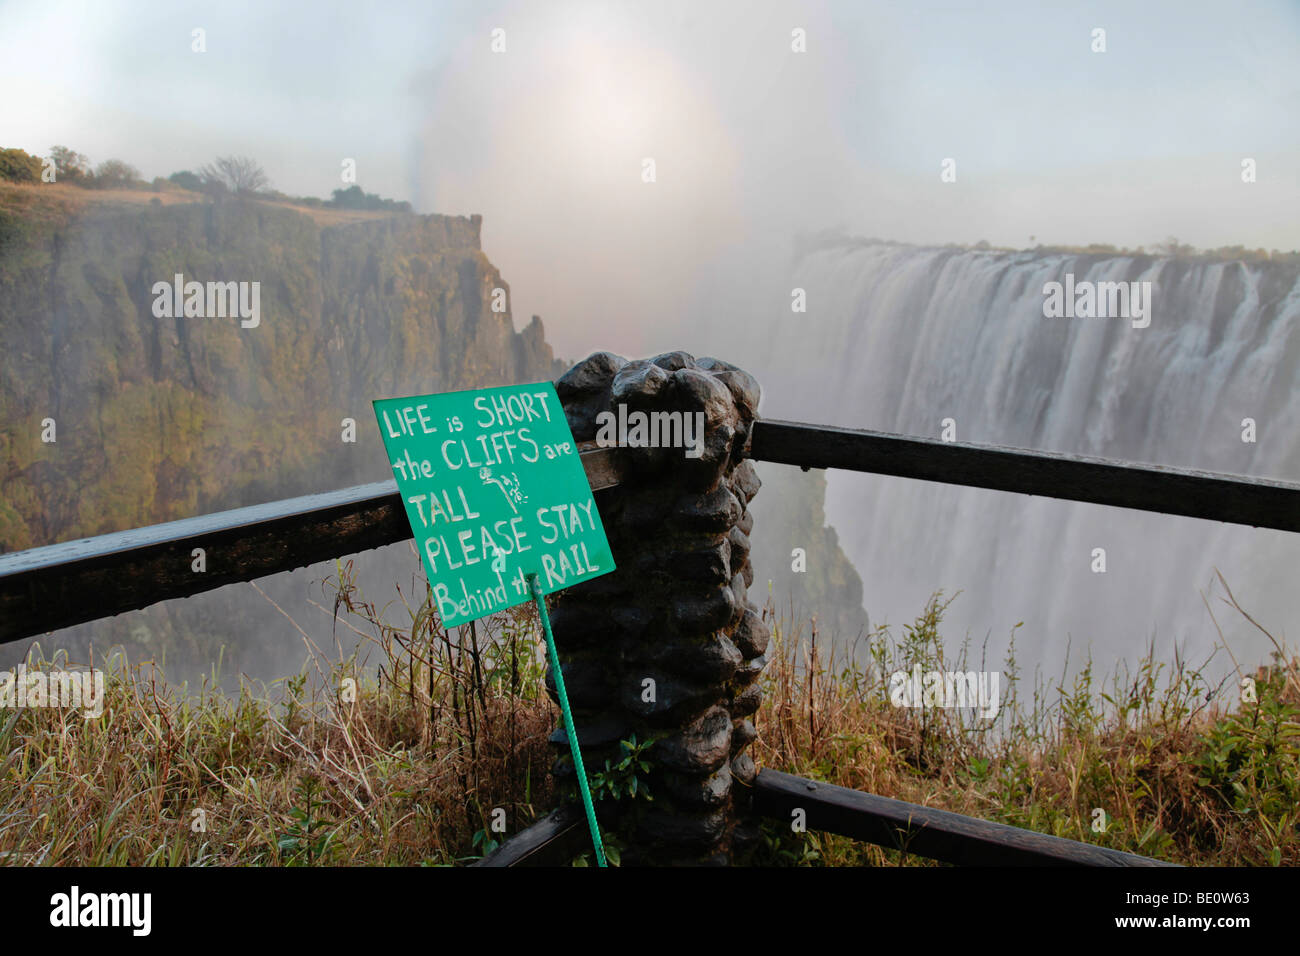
(500, 506)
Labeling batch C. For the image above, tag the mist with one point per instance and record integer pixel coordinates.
(753, 143)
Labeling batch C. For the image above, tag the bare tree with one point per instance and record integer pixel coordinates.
(238, 174)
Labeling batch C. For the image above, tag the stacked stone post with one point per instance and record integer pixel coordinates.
(668, 647)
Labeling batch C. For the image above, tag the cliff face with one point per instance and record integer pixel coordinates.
(789, 513)
(162, 418)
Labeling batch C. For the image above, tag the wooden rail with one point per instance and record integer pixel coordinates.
(1175, 491)
(76, 581)
(924, 831)
(553, 840)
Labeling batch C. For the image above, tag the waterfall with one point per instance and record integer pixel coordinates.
(898, 338)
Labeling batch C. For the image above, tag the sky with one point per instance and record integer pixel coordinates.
(753, 143)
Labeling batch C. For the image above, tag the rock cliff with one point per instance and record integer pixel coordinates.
(162, 418)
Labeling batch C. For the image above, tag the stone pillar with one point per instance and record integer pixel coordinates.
(675, 612)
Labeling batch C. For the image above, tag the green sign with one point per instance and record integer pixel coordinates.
(495, 491)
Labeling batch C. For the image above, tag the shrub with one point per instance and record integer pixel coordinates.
(115, 174)
(187, 180)
(19, 166)
(354, 198)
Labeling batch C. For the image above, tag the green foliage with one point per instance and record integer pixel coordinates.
(622, 781)
(610, 843)
(354, 198)
(627, 776)
(293, 693)
(484, 841)
(306, 842)
(779, 845)
(1251, 760)
(19, 166)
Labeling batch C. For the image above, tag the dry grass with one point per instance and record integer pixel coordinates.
(406, 773)
(323, 217)
(449, 726)
(1179, 774)
(68, 201)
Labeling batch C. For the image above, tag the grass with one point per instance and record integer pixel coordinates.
(419, 757)
(1178, 774)
(59, 202)
(401, 768)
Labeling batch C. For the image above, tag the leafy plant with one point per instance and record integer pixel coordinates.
(306, 841)
(624, 780)
(484, 841)
(1251, 759)
(625, 777)
(610, 843)
(778, 845)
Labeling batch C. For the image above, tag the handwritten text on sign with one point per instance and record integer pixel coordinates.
(494, 490)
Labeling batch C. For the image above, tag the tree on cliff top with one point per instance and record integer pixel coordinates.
(115, 174)
(69, 165)
(355, 198)
(238, 174)
(187, 180)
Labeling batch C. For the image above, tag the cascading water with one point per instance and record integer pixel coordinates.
(899, 338)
